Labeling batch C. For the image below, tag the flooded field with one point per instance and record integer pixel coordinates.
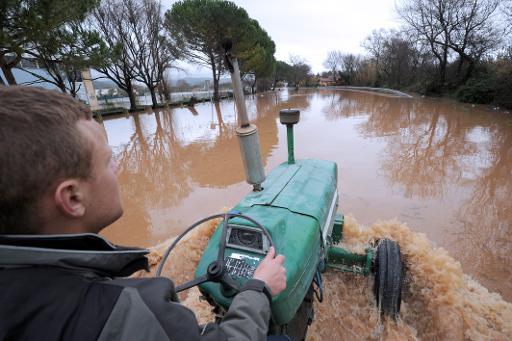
(442, 168)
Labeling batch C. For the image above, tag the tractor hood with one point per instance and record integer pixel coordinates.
(306, 187)
(297, 207)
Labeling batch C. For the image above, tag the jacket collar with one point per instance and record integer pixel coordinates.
(85, 251)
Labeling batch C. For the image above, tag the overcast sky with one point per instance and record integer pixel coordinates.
(311, 28)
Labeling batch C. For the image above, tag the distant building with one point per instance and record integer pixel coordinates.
(326, 81)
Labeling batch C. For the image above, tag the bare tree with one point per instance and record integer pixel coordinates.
(109, 20)
(470, 29)
(374, 44)
(399, 60)
(507, 13)
(140, 52)
(333, 63)
(300, 70)
(476, 33)
(153, 52)
(350, 66)
(434, 22)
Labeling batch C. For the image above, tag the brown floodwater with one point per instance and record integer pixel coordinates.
(442, 168)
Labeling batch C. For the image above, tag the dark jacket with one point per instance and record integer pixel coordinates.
(70, 287)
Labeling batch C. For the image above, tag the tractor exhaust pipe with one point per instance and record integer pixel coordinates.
(289, 117)
(247, 133)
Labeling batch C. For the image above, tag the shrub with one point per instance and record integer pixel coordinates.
(503, 95)
(478, 90)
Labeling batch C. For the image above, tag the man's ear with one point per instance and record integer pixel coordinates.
(69, 198)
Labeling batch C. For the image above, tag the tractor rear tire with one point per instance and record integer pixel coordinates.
(297, 328)
(388, 277)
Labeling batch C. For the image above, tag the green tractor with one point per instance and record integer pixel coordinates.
(294, 209)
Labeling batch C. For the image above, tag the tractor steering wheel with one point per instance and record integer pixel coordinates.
(216, 271)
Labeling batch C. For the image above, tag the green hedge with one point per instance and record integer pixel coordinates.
(503, 96)
(477, 90)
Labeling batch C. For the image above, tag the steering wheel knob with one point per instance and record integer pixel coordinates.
(215, 270)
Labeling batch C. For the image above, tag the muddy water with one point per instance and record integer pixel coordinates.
(439, 302)
(442, 168)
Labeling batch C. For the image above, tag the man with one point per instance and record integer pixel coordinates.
(58, 278)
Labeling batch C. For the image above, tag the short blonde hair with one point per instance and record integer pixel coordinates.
(39, 144)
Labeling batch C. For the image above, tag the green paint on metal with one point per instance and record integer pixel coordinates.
(289, 133)
(272, 186)
(306, 187)
(311, 190)
(293, 206)
(343, 260)
(290, 232)
(337, 229)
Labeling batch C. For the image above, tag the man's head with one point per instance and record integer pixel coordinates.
(56, 172)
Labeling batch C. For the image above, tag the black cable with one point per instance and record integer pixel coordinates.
(222, 246)
(320, 285)
(226, 216)
(190, 228)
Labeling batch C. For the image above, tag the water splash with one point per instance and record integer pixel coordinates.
(439, 302)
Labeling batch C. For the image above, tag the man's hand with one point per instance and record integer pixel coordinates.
(272, 272)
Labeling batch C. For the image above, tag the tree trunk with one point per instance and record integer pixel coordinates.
(376, 82)
(442, 72)
(153, 97)
(216, 96)
(219, 114)
(166, 91)
(459, 67)
(469, 71)
(62, 86)
(8, 74)
(7, 69)
(59, 82)
(442, 75)
(131, 96)
(73, 88)
(471, 65)
(253, 86)
(215, 79)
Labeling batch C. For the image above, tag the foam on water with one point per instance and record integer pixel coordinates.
(439, 301)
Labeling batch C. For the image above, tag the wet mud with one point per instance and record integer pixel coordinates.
(439, 301)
